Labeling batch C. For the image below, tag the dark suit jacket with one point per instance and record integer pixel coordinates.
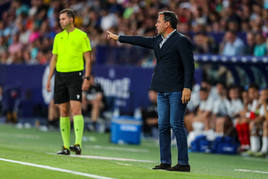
(175, 64)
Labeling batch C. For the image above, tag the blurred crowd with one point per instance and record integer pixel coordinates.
(237, 27)
(221, 112)
(235, 112)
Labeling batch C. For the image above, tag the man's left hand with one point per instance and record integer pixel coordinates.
(85, 85)
(186, 95)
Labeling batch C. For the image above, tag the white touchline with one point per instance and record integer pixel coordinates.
(124, 164)
(255, 159)
(24, 136)
(55, 169)
(117, 148)
(111, 158)
(108, 158)
(251, 171)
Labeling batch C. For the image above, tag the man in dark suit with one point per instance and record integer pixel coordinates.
(172, 79)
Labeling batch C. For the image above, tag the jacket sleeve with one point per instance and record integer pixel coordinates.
(146, 42)
(185, 49)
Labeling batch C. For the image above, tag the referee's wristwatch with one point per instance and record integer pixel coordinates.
(86, 77)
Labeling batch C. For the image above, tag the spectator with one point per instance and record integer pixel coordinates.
(4, 58)
(184, 28)
(192, 108)
(264, 115)
(10, 104)
(260, 48)
(259, 128)
(196, 18)
(201, 43)
(212, 90)
(93, 101)
(53, 115)
(16, 46)
(232, 45)
(199, 16)
(150, 117)
(25, 110)
(250, 101)
(108, 20)
(249, 49)
(220, 110)
(235, 105)
(204, 111)
(24, 34)
(233, 26)
(2, 45)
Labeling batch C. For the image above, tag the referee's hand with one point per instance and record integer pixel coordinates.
(186, 95)
(111, 35)
(48, 86)
(85, 85)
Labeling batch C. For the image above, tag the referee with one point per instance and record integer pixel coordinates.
(70, 48)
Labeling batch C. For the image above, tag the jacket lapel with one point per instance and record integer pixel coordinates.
(169, 40)
(159, 40)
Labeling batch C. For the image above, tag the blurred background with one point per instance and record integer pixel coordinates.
(231, 47)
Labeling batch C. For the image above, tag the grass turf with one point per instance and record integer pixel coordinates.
(34, 146)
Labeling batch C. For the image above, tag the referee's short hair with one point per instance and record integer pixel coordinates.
(170, 17)
(70, 13)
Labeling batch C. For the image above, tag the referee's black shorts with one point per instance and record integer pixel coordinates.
(68, 86)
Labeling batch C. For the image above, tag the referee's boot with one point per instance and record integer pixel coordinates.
(64, 151)
(76, 148)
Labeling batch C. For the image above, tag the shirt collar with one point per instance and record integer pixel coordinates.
(65, 31)
(168, 34)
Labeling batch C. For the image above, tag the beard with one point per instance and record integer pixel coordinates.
(160, 32)
(64, 26)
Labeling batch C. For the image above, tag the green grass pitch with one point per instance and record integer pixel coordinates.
(38, 148)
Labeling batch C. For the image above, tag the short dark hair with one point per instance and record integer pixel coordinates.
(221, 83)
(254, 86)
(170, 17)
(70, 13)
(233, 86)
(203, 89)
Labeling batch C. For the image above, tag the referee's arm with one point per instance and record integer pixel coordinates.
(52, 67)
(88, 60)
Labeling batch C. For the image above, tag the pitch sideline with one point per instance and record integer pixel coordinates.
(251, 171)
(55, 169)
(111, 158)
(107, 158)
